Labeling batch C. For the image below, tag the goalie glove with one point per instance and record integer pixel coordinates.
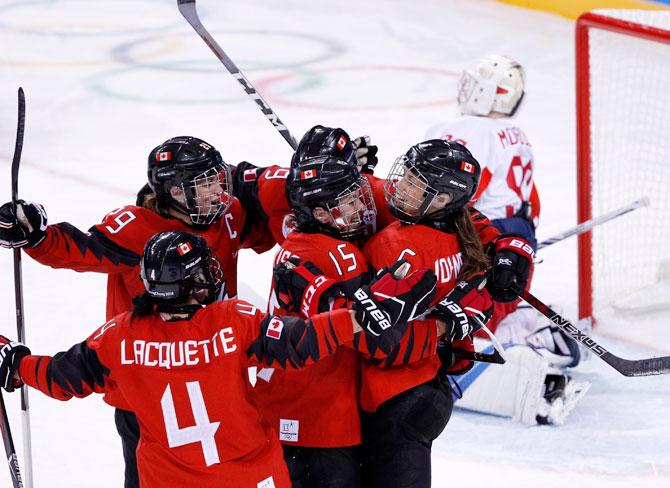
(466, 308)
(11, 354)
(24, 228)
(366, 154)
(392, 299)
(301, 286)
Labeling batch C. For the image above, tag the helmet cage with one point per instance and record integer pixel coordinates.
(206, 196)
(353, 211)
(402, 201)
(475, 94)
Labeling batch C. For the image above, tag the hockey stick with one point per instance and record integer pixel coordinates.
(627, 367)
(188, 10)
(590, 224)
(10, 452)
(18, 291)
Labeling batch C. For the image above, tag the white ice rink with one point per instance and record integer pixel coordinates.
(106, 81)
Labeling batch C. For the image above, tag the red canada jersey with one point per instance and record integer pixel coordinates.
(186, 381)
(422, 247)
(116, 244)
(317, 406)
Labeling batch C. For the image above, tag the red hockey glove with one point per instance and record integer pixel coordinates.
(300, 286)
(385, 306)
(466, 308)
(24, 228)
(512, 263)
(11, 354)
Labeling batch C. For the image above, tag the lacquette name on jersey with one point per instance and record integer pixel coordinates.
(176, 354)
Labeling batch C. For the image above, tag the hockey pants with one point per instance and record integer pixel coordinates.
(317, 467)
(398, 437)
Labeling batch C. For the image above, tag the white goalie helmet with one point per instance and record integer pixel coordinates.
(495, 85)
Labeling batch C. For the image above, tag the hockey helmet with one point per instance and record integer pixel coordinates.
(189, 175)
(177, 266)
(427, 170)
(495, 85)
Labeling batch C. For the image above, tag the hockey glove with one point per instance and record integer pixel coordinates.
(385, 306)
(366, 154)
(25, 228)
(11, 354)
(453, 356)
(512, 263)
(466, 308)
(300, 286)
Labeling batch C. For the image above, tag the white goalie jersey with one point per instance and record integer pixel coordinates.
(506, 158)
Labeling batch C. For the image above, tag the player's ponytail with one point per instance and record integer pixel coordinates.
(143, 306)
(475, 259)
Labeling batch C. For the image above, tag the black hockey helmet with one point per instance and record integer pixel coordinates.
(337, 187)
(177, 266)
(427, 170)
(188, 174)
(325, 141)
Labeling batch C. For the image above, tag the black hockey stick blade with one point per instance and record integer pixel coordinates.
(18, 147)
(627, 367)
(481, 357)
(188, 9)
(10, 452)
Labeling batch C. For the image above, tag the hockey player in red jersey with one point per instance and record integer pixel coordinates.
(190, 189)
(173, 354)
(406, 407)
(333, 208)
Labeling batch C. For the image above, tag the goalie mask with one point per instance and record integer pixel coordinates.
(177, 266)
(496, 85)
(330, 196)
(190, 176)
(431, 181)
(325, 141)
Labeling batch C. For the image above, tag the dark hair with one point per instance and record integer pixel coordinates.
(475, 259)
(143, 306)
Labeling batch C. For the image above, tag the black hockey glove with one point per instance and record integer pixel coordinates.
(25, 228)
(11, 354)
(512, 263)
(466, 308)
(300, 286)
(385, 306)
(366, 154)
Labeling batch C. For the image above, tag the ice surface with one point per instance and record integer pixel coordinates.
(106, 81)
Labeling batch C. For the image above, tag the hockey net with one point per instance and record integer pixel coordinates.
(623, 124)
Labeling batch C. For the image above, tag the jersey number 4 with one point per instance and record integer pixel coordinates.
(203, 431)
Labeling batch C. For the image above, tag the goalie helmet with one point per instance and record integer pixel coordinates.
(190, 176)
(429, 169)
(325, 141)
(177, 266)
(495, 85)
(337, 187)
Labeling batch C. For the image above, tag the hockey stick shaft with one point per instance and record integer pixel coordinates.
(590, 224)
(627, 367)
(188, 10)
(10, 452)
(18, 291)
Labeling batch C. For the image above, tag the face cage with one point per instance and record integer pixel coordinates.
(354, 215)
(209, 194)
(212, 284)
(402, 199)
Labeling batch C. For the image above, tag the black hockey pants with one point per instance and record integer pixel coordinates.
(320, 467)
(129, 430)
(397, 438)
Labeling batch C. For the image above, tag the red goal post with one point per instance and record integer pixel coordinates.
(623, 153)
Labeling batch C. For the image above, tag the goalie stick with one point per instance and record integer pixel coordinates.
(627, 367)
(590, 224)
(188, 10)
